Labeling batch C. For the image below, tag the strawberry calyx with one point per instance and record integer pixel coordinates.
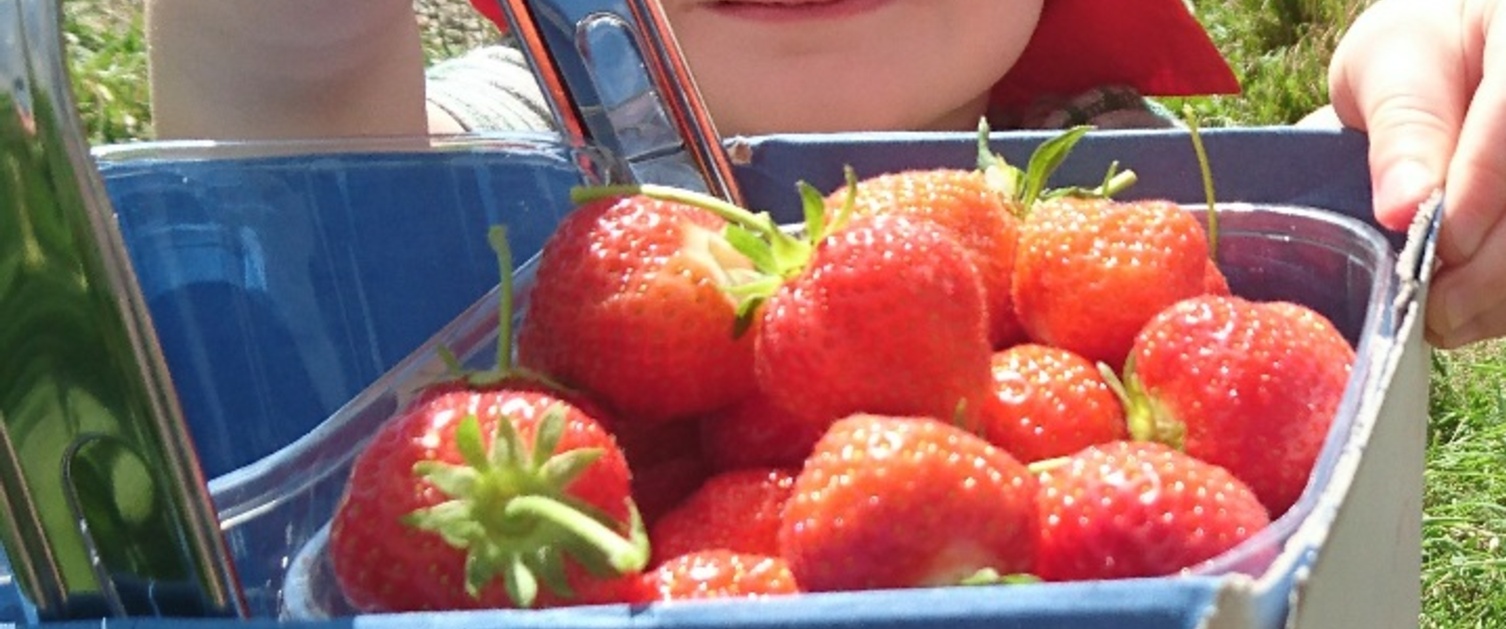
(508, 508)
(1146, 417)
(1026, 188)
(777, 253)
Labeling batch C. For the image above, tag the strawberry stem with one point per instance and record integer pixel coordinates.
(1116, 181)
(758, 223)
(497, 238)
(1036, 468)
(504, 369)
(1207, 173)
(622, 554)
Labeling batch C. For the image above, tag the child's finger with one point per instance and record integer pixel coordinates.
(1400, 75)
(1476, 183)
(1472, 243)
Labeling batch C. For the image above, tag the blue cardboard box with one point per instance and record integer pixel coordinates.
(295, 289)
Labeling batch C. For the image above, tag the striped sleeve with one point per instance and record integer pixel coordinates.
(489, 89)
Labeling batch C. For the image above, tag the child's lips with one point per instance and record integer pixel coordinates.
(783, 10)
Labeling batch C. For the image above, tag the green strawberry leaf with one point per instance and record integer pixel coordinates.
(813, 205)
(1046, 159)
(521, 585)
(562, 469)
(546, 438)
(750, 245)
(989, 576)
(747, 310)
(452, 520)
(849, 206)
(469, 442)
(507, 450)
(1146, 417)
(452, 480)
(549, 567)
(998, 174)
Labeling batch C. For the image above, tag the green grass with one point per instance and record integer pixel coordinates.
(1279, 49)
(107, 58)
(1464, 568)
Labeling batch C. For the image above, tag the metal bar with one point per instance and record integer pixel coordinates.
(106, 509)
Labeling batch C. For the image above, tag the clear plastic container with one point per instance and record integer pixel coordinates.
(1333, 263)
(284, 278)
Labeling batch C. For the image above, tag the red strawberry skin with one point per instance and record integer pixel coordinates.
(629, 304)
(887, 317)
(1255, 385)
(1214, 280)
(757, 433)
(961, 202)
(1139, 509)
(717, 574)
(382, 564)
(1090, 272)
(891, 502)
(1051, 403)
(737, 511)
(666, 461)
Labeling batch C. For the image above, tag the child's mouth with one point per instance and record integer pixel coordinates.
(780, 10)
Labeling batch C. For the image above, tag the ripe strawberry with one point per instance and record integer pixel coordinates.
(434, 519)
(630, 303)
(887, 317)
(1090, 272)
(758, 433)
(1139, 509)
(970, 210)
(885, 312)
(981, 209)
(1249, 386)
(737, 511)
(891, 502)
(717, 574)
(1051, 403)
(480, 488)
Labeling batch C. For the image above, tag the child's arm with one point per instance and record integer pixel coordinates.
(1427, 80)
(251, 69)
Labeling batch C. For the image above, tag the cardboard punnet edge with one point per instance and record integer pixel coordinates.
(1356, 581)
(1337, 567)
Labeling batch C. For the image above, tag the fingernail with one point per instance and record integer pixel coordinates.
(1401, 188)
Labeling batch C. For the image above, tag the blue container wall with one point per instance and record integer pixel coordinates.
(281, 287)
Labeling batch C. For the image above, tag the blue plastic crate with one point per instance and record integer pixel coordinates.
(283, 285)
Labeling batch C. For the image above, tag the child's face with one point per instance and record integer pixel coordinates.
(768, 66)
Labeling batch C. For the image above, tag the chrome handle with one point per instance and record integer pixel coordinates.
(106, 511)
(614, 75)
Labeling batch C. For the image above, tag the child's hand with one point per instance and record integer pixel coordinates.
(1427, 80)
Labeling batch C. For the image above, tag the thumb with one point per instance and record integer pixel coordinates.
(1400, 76)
